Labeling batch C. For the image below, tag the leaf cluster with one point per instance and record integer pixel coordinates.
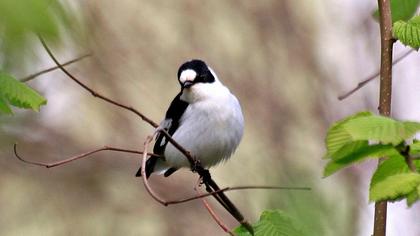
(406, 26)
(365, 136)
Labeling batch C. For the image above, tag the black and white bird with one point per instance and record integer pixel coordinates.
(205, 118)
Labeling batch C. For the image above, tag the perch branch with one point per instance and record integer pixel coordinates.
(77, 157)
(372, 77)
(33, 76)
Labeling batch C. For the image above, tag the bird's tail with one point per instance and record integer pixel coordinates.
(156, 165)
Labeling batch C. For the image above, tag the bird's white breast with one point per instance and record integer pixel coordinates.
(211, 127)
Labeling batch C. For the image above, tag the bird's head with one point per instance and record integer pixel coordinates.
(194, 72)
(197, 81)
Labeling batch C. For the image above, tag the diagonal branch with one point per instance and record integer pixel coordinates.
(211, 211)
(93, 92)
(193, 161)
(33, 76)
(77, 157)
(372, 77)
(226, 189)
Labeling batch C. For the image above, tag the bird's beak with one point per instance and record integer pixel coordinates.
(187, 84)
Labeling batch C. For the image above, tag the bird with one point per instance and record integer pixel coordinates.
(204, 117)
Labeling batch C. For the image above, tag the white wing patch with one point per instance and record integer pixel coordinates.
(164, 125)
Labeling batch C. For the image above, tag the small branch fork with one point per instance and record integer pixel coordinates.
(33, 76)
(77, 157)
(211, 187)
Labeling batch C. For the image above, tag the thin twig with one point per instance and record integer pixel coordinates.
(93, 92)
(33, 76)
(143, 173)
(211, 211)
(372, 77)
(77, 157)
(226, 189)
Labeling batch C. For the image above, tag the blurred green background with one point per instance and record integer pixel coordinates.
(286, 61)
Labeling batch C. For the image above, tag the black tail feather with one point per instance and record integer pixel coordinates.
(150, 166)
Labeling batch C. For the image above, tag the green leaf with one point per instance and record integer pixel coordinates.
(408, 32)
(393, 180)
(413, 196)
(18, 94)
(415, 147)
(356, 152)
(273, 223)
(4, 107)
(381, 129)
(337, 137)
(394, 187)
(365, 126)
(401, 9)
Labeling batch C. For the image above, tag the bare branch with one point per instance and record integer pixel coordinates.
(211, 211)
(226, 189)
(143, 173)
(33, 76)
(77, 157)
(93, 92)
(372, 77)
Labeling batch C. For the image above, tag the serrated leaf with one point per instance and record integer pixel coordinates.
(394, 187)
(356, 152)
(367, 127)
(273, 223)
(381, 129)
(413, 196)
(408, 32)
(19, 94)
(401, 9)
(337, 136)
(393, 180)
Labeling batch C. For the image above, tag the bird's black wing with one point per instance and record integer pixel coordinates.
(170, 124)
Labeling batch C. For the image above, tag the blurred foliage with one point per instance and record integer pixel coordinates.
(22, 20)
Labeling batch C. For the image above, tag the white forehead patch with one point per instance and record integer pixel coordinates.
(187, 75)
